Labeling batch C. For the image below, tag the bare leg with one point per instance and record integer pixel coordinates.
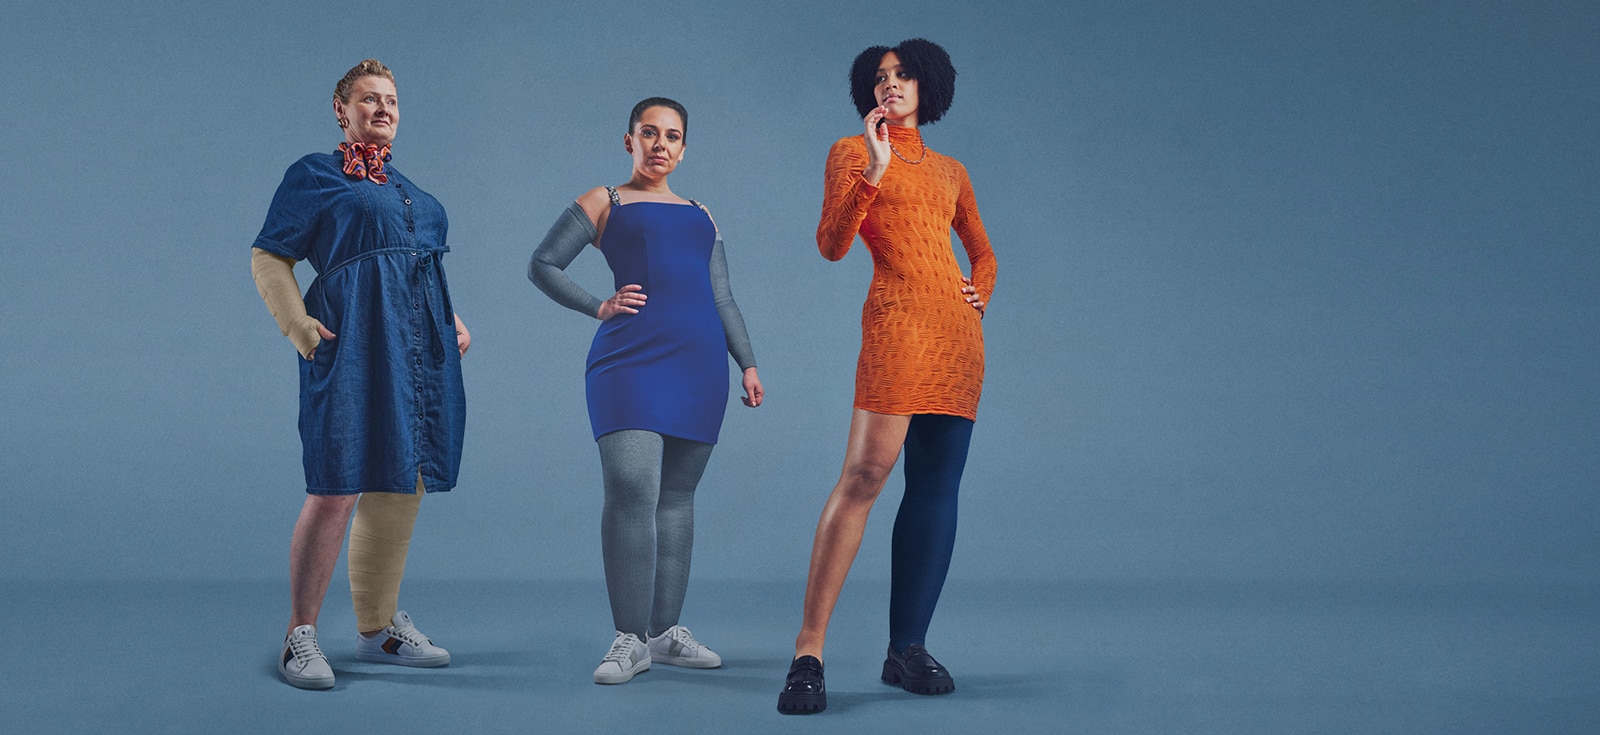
(870, 454)
(314, 550)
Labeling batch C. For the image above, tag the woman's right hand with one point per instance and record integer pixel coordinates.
(627, 300)
(877, 138)
(323, 335)
(970, 293)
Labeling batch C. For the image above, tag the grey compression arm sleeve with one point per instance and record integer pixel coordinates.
(566, 238)
(732, 320)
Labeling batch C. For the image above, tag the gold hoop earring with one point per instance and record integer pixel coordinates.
(344, 122)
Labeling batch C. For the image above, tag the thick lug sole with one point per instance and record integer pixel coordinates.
(802, 704)
(940, 685)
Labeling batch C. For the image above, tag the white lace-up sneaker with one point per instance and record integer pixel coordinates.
(677, 647)
(628, 656)
(401, 643)
(302, 663)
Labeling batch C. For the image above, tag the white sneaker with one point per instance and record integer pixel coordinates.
(302, 663)
(677, 647)
(628, 656)
(401, 643)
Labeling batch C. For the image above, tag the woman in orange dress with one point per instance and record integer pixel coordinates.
(920, 372)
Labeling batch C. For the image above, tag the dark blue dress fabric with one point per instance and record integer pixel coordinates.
(664, 369)
(384, 400)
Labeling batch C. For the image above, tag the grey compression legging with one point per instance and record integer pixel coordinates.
(647, 527)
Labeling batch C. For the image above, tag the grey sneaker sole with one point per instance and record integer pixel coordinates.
(306, 682)
(420, 662)
(622, 677)
(688, 663)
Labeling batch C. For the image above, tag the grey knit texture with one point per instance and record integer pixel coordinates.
(647, 525)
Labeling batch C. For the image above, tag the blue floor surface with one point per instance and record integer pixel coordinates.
(199, 657)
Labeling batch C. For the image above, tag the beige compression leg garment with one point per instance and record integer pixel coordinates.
(379, 538)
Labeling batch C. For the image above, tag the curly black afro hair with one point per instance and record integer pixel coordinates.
(926, 61)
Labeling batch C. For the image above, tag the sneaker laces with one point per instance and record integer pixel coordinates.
(684, 638)
(305, 650)
(621, 650)
(409, 634)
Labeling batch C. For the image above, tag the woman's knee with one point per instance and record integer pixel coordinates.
(862, 481)
(330, 506)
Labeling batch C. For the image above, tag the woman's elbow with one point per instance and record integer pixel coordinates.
(830, 248)
(539, 274)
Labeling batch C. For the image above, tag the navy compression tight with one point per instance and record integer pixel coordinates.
(925, 527)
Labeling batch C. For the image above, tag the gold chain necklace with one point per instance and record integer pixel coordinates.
(896, 153)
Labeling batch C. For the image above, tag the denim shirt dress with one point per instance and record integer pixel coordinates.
(384, 400)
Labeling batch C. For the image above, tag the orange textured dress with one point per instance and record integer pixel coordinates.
(921, 342)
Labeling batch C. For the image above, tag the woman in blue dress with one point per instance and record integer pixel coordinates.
(656, 380)
(382, 408)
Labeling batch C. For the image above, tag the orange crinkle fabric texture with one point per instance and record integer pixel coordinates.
(921, 342)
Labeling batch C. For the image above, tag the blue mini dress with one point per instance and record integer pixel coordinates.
(384, 400)
(664, 369)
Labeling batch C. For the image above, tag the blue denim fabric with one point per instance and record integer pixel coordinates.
(384, 400)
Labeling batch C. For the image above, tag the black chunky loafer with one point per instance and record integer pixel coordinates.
(917, 672)
(803, 692)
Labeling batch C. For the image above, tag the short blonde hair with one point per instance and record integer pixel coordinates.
(367, 68)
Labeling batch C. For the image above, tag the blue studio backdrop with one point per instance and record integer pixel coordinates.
(1287, 291)
(1291, 421)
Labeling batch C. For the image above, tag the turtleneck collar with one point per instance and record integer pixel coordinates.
(904, 135)
(907, 144)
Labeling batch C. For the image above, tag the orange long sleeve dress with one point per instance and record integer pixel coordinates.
(921, 342)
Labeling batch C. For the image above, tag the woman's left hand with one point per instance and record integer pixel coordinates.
(753, 392)
(463, 337)
(970, 293)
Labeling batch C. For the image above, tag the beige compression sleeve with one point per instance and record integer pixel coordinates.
(380, 535)
(274, 275)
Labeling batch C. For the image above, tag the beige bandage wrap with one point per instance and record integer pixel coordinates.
(274, 276)
(379, 538)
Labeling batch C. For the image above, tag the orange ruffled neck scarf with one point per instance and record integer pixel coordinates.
(365, 161)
